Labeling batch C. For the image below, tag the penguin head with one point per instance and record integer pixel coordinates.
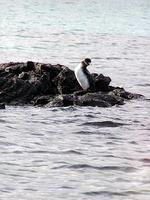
(86, 61)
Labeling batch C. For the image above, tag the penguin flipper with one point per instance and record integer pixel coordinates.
(90, 80)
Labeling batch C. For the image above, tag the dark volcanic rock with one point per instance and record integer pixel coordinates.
(54, 85)
(66, 82)
(102, 82)
(42, 100)
(99, 99)
(2, 106)
(61, 100)
(120, 92)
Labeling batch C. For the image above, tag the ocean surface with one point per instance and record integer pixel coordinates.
(78, 153)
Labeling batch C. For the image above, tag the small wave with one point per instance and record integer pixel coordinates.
(84, 132)
(2, 136)
(104, 124)
(30, 189)
(147, 100)
(15, 175)
(7, 143)
(9, 163)
(4, 191)
(133, 142)
(28, 36)
(145, 160)
(39, 47)
(82, 43)
(20, 176)
(7, 190)
(17, 152)
(55, 152)
(113, 58)
(66, 187)
(39, 152)
(68, 2)
(2, 121)
(59, 167)
(27, 170)
(95, 193)
(90, 116)
(109, 193)
(104, 168)
(98, 58)
(11, 127)
(37, 134)
(67, 152)
(70, 152)
(145, 85)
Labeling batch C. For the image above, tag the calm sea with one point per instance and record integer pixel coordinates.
(76, 153)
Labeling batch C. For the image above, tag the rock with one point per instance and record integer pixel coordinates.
(17, 68)
(66, 82)
(102, 83)
(2, 106)
(99, 99)
(61, 100)
(42, 100)
(28, 67)
(23, 76)
(49, 85)
(14, 68)
(53, 70)
(120, 92)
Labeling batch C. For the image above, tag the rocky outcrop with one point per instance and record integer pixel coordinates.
(54, 85)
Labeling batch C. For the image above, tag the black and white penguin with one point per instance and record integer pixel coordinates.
(83, 76)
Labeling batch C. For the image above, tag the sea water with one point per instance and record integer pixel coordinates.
(78, 152)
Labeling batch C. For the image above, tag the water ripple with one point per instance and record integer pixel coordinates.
(7, 144)
(70, 152)
(109, 193)
(103, 168)
(104, 124)
(145, 160)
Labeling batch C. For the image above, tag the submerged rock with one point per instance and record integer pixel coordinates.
(54, 85)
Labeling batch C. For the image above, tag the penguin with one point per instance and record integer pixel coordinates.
(84, 77)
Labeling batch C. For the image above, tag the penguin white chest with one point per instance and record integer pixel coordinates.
(81, 77)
